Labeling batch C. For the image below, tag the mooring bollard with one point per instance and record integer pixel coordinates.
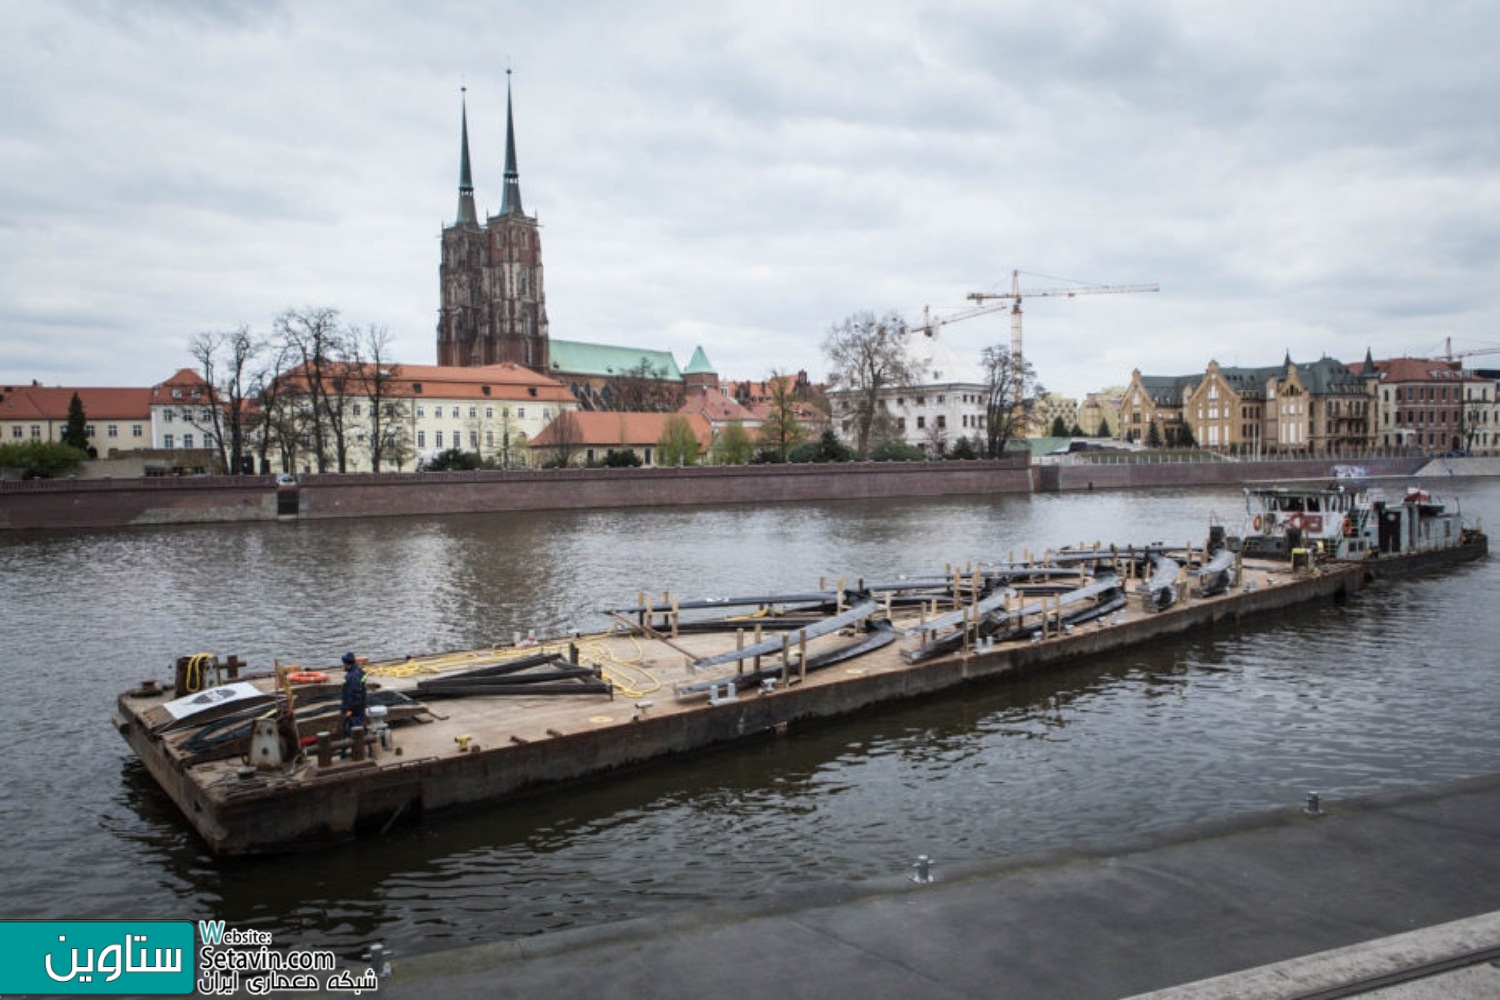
(376, 957)
(1313, 807)
(922, 870)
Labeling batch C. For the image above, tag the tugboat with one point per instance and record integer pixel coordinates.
(1349, 524)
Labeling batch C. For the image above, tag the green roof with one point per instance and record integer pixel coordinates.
(574, 357)
(699, 365)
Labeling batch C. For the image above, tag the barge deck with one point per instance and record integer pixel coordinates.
(255, 762)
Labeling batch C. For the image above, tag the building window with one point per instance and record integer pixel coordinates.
(473, 439)
(421, 439)
(942, 420)
(489, 439)
(15, 431)
(438, 439)
(166, 440)
(135, 430)
(36, 430)
(113, 430)
(187, 440)
(521, 413)
(489, 413)
(357, 410)
(168, 416)
(473, 412)
(421, 411)
(88, 430)
(921, 423)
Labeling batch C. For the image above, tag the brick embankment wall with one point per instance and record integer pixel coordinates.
(562, 489)
(1102, 476)
(66, 504)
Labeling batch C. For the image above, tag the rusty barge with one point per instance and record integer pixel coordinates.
(256, 761)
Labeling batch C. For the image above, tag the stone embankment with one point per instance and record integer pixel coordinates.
(106, 503)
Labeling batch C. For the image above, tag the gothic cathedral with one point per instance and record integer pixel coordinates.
(494, 309)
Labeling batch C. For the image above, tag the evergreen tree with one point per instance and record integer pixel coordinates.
(900, 451)
(1104, 430)
(1059, 427)
(964, 448)
(1153, 436)
(75, 435)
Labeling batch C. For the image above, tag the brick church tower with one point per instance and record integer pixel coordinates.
(494, 308)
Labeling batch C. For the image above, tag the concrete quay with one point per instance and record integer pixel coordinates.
(1395, 896)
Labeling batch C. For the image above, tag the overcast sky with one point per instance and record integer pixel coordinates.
(1316, 178)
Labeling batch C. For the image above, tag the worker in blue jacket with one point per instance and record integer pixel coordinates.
(355, 697)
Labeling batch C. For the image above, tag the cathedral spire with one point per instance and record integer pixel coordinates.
(510, 199)
(466, 214)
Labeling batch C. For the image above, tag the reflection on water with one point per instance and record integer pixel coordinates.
(1381, 691)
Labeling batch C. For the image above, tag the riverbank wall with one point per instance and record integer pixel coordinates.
(1107, 475)
(72, 504)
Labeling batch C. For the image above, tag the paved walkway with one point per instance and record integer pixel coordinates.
(1153, 914)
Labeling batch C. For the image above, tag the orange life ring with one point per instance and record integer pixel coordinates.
(1257, 522)
(1294, 522)
(1348, 526)
(307, 677)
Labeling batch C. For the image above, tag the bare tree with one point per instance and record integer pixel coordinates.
(644, 388)
(936, 440)
(314, 336)
(274, 412)
(567, 438)
(378, 377)
(225, 359)
(1011, 392)
(868, 355)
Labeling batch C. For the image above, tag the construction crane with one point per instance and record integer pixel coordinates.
(1015, 295)
(1451, 355)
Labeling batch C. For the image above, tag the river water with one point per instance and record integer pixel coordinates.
(1396, 687)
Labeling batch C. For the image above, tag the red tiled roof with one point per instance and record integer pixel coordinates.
(1419, 370)
(711, 402)
(504, 381)
(615, 430)
(46, 402)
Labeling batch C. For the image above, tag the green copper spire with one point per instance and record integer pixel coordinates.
(466, 214)
(699, 365)
(510, 199)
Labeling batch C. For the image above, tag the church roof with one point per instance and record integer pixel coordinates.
(575, 357)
